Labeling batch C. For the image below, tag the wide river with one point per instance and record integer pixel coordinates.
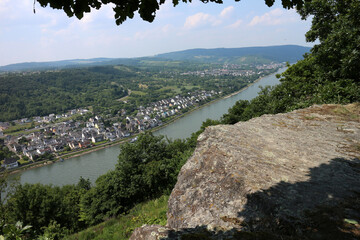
(94, 164)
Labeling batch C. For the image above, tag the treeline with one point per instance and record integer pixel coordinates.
(145, 170)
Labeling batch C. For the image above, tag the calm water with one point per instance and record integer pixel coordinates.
(94, 164)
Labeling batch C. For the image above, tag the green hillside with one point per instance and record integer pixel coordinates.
(285, 53)
(249, 55)
(121, 227)
(40, 93)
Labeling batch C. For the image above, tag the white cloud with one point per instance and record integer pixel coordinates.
(236, 24)
(197, 20)
(201, 19)
(275, 17)
(227, 12)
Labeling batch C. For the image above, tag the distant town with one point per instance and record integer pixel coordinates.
(57, 134)
(234, 70)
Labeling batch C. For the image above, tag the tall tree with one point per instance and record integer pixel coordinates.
(336, 25)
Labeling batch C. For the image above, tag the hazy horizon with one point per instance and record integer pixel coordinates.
(100, 57)
(49, 35)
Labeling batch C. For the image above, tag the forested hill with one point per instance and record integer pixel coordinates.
(285, 53)
(41, 93)
(247, 55)
(53, 64)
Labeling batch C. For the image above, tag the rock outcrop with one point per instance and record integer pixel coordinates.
(270, 171)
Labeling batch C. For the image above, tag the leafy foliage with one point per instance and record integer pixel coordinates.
(121, 227)
(336, 24)
(15, 231)
(6, 153)
(146, 169)
(300, 87)
(45, 205)
(126, 9)
(39, 94)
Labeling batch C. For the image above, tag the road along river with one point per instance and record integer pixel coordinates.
(94, 164)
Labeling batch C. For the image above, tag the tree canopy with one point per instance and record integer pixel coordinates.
(329, 74)
(336, 25)
(125, 9)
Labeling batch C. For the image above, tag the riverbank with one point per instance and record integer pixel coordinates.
(120, 141)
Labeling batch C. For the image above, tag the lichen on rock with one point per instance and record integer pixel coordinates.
(271, 171)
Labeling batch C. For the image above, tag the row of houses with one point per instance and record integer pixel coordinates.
(45, 119)
(73, 135)
(222, 72)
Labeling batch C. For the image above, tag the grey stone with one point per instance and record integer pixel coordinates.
(270, 169)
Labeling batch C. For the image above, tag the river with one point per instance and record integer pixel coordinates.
(94, 164)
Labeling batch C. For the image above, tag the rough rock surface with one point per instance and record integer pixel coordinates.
(157, 232)
(150, 232)
(268, 170)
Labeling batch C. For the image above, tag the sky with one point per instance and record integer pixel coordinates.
(49, 35)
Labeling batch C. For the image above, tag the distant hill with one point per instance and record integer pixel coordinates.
(53, 64)
(285, 53)
(249, 55)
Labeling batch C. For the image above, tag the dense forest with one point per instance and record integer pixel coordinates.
(33, 94)
(149, 167)
(39, 94)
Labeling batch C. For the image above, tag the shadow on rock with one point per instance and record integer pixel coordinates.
(327, 206)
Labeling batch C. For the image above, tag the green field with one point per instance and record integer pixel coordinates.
(138, 93)
(176, 89)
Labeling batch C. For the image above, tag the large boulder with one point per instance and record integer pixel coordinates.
(271, 172)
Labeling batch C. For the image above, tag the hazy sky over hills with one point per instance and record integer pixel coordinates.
(50, 35)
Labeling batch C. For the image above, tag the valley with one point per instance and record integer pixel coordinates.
(67, 112)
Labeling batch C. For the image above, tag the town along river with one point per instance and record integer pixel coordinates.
(94, 164)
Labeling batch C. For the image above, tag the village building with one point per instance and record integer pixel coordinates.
(10, 163)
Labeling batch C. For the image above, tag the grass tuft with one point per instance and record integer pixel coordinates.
(152, 212)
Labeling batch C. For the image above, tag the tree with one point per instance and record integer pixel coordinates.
(146, 169)
(336, 25)
(44, 205)
(126, 8)
(7, 188)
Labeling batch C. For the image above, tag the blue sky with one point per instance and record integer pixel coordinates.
(50, 35)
